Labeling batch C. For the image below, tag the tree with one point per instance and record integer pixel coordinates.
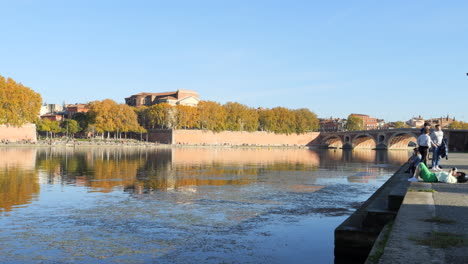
(108, 116)
(400, 124)
(18, 104)
(305, 120)
(83, 120)
(354, 123)
(458, 125)
(240, 117)
(70, 126)
(265, 119)
(186, 116)
(212, 116)
(159, 116)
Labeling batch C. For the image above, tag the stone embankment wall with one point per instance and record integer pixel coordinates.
(25, 133)
(235, 138)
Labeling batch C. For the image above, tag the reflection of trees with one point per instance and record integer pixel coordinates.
(102, 169)
(18, 180)
(17, 187)
(179, 168)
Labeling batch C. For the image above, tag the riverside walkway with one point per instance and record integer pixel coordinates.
(431, 225)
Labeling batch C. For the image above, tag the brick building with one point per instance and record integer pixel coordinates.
(72, 109)
(52, 117)
(331, 124)
(179, 97)
(369, 123)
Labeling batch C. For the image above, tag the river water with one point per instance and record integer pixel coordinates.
(181, 205)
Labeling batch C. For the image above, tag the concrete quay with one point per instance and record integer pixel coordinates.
(431, 225)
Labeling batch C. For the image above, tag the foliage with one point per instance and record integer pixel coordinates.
(186, 116)
(240, 117)
(70, 126)
(18, 104)
(160, 116)
(305, 120)
(48, 126)
(108, 116)
(231, 116)
(212, 116)
(400, 124)
(354, 123)
(83, 120)
(458, 125)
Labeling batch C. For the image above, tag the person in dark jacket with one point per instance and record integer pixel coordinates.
(426, 126)
(444, 149)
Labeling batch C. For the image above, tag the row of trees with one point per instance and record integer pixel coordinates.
(104, 117)
(458, 125)
(109, 118)
(231, 116)
(18, 103)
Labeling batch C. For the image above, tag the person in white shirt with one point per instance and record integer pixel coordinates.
(424, 143)
(436, 137)
(449, 176)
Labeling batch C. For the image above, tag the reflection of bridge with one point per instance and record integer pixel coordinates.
(388, 139)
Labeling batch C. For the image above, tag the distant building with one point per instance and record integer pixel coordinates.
(52, 117)
(71, 109)
(370, 123)
(444, 122)
(50, 108)
(380, 123)
(179, 97)
(331, 124)
(416, 122)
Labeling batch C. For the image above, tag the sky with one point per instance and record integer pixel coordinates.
(388, 59)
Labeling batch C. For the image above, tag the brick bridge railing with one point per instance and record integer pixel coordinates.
(388, 139)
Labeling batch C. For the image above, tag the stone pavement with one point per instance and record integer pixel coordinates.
(436, 211)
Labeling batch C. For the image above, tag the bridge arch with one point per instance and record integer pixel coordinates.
(401, 140)
(364, 141)
(333, 142)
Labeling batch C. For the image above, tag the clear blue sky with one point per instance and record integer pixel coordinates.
(388, 59)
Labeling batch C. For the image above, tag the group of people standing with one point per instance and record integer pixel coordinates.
(434, 140)
(418, 163)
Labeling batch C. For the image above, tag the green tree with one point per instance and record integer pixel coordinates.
(43, 125)
(354, 123)
(70, 127)
(18, 104)
(83, 120)
(400, 124)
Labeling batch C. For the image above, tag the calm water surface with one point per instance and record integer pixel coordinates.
(182, 205)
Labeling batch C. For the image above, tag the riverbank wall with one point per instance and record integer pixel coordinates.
(234, 138)
(355, 237)
(24, 133)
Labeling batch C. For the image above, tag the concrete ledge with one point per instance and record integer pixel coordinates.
(429, 210)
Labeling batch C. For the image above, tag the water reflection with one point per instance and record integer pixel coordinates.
(206, 205)
(142, 170)
(19, 184)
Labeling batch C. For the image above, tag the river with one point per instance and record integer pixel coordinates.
(181, 205)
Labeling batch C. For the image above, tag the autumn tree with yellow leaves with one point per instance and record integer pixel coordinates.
(18, 103)
(109, 117)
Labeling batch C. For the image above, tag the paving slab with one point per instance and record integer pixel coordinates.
(423, 201)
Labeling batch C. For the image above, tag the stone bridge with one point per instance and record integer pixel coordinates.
(401, 138)
(375, 139)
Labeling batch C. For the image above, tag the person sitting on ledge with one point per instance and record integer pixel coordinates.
(452, 176)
